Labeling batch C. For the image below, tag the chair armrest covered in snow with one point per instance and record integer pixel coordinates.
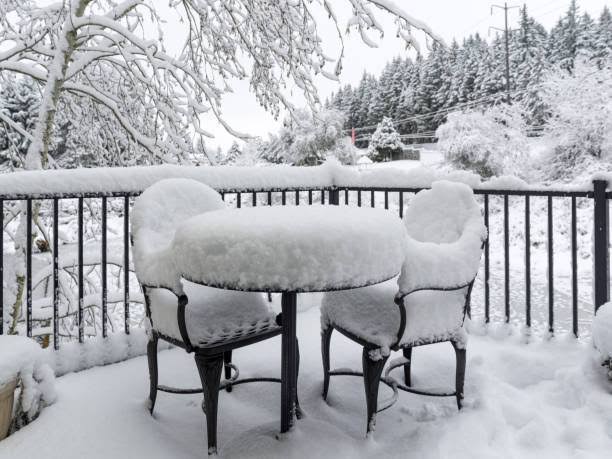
(450, 266)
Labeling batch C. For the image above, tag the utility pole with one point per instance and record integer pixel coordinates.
(507, 39)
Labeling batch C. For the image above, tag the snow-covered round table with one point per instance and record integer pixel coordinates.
(290, 250)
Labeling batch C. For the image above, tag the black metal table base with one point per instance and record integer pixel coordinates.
(289, 361)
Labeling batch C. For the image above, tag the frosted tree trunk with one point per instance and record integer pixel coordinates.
(38, 151)
(37, 156)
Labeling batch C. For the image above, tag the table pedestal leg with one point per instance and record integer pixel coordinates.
(288, 361)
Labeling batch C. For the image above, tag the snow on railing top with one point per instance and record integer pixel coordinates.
(136, 179)
(118, 180)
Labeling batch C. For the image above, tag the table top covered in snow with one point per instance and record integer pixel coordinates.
(299, 249)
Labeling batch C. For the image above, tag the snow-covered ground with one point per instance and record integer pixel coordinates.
(545, 399)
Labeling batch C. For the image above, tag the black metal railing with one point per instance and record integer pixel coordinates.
(495, 203)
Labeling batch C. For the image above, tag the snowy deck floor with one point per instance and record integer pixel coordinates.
(544, 399)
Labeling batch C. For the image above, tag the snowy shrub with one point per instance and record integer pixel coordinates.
(385, 141)
(489, 143)
(307, 139)
(579, 131)
(23, 361)
(602, 334)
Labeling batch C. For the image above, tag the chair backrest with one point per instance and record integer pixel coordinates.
(156, 215)
(441, 214)
(162, 207)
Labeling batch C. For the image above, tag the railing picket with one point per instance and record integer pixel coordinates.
(254, 197)
(283, 197)
(55, 255)
(506, 260)
(269, 198)
(80, 271)
(323, 196)
(126, 264)
(238, 200)
(297, 197)
(527, 262)
(401, 204)
(103, 271)
(574, 270)
(28, 267)
(1, 266)
(487, 261)
(551, 292)
(358, 198)
(310, 197)
(601, 243)
(346, 196)
(386, 199)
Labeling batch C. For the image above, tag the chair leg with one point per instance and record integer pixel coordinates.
(227, 359)
(407, 366)
(325, 345)
(460, 355)
(209, 368)
(372, 370)
(153, 371)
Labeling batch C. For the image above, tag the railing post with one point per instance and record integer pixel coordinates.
(601, 241)
(334, 196)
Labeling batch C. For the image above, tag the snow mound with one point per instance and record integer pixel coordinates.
(312, 248)
(24, 360)
(602, 330)
(446, 232)
(156, 215)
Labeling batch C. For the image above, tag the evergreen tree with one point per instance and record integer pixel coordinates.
(603, 39)
(233, 153)
(563, 44)
(431, 95)
(528, 61)
(489, 85)
(587, 36)
(406, 107)
(385, 141)
(379, 103)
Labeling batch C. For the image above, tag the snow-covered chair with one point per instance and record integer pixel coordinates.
(446, 236)
(206, 321)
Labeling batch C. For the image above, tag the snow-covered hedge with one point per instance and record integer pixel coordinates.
(489, 143)
(602, 334)
(579, 131)
(23, 360)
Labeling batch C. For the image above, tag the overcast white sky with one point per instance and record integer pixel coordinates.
(449, 18)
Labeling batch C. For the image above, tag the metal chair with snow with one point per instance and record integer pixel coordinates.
(446, 238)
(207, 321)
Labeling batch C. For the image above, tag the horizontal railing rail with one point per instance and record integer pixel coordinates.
(50, 274)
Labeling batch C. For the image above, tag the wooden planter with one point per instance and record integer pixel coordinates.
(7, 393)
